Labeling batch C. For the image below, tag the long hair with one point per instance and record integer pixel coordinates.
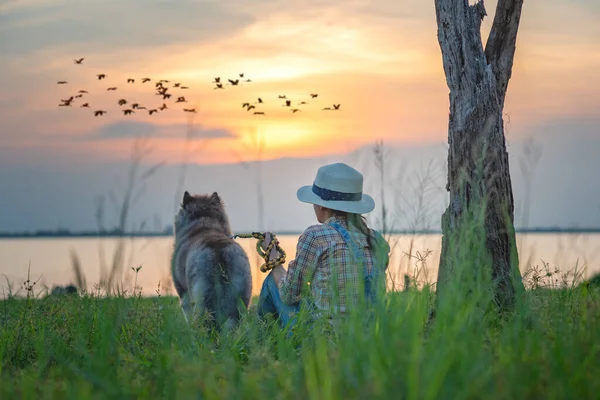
(357, 221)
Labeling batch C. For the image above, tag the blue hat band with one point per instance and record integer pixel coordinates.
(332, 195)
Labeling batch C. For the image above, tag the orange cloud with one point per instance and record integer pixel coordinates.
(381, 62)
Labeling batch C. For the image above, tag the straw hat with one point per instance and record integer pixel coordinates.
(338, 187)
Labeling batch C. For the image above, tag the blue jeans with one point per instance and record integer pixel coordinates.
(269, 302)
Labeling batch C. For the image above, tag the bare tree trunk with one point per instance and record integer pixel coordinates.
(478, 172)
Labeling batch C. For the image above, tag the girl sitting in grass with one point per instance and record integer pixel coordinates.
(339, 261)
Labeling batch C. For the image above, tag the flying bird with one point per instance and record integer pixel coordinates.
(250, 108)
(295, 110)
(336, 106)
(177, 84)
(154, 110)
(234, 83)
(79, 61)
(281, 97)
(248, 80)
(99, 112)
(190, 110)
(164, 81)
(166, 96)
(82, 91)
(217, 80)
(327, 108)
(219, 86)
(184, 87)
(100, 77)
(287, 103)
(130, 80)
(241, 75)
(64, 105)
(181, 99)
(260, 100)
(244, 105)
(122, 102)
(302, 102)
(141, 108)
(62, 82)
(135, 105)
(111, 88)
(144, 80)
(78, 96)
(259, 113)
(128, 112)
(163, 107)
(85, 105)
(314, 95)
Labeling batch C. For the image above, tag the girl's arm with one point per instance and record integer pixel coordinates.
(278, 274)
(301, 269)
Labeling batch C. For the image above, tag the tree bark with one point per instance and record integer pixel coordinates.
(479, 181)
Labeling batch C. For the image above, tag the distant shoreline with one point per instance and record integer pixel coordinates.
(95, 234)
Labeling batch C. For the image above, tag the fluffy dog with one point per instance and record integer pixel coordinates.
(210, 270)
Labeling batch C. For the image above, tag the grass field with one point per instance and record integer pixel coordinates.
(132, 347)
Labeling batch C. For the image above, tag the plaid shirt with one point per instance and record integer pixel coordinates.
(321, 254)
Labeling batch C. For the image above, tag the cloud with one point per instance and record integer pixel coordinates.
(122, 130)
(135, 129)
(98, 25)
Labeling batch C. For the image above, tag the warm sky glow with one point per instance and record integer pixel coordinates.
(380, 60)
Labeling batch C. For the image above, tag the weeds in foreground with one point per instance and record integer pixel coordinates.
(126, 345)
(29, 285)
(409, 205)
(133, 188)
(119, 347)
(256, 148)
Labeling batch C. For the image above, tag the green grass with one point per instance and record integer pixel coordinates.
(132, 347)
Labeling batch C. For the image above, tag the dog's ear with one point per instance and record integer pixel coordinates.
(187, 199)
(215, 198)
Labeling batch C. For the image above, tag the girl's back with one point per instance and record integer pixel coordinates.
(330, 266)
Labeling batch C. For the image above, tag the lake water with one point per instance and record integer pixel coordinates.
(50, 258)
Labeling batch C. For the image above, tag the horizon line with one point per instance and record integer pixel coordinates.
(65, 233)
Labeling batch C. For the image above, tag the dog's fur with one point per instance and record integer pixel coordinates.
(211, 271)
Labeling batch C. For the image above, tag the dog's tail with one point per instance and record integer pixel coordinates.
(223, 303)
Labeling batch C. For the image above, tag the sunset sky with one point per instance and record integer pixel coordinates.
(379, 59)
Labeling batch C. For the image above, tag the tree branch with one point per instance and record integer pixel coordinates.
(501, 44)
(459, 37)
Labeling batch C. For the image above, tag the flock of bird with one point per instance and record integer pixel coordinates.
(286, 103)
(161, 87)
(164, 90)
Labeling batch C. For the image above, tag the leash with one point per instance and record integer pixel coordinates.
(269, 264)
